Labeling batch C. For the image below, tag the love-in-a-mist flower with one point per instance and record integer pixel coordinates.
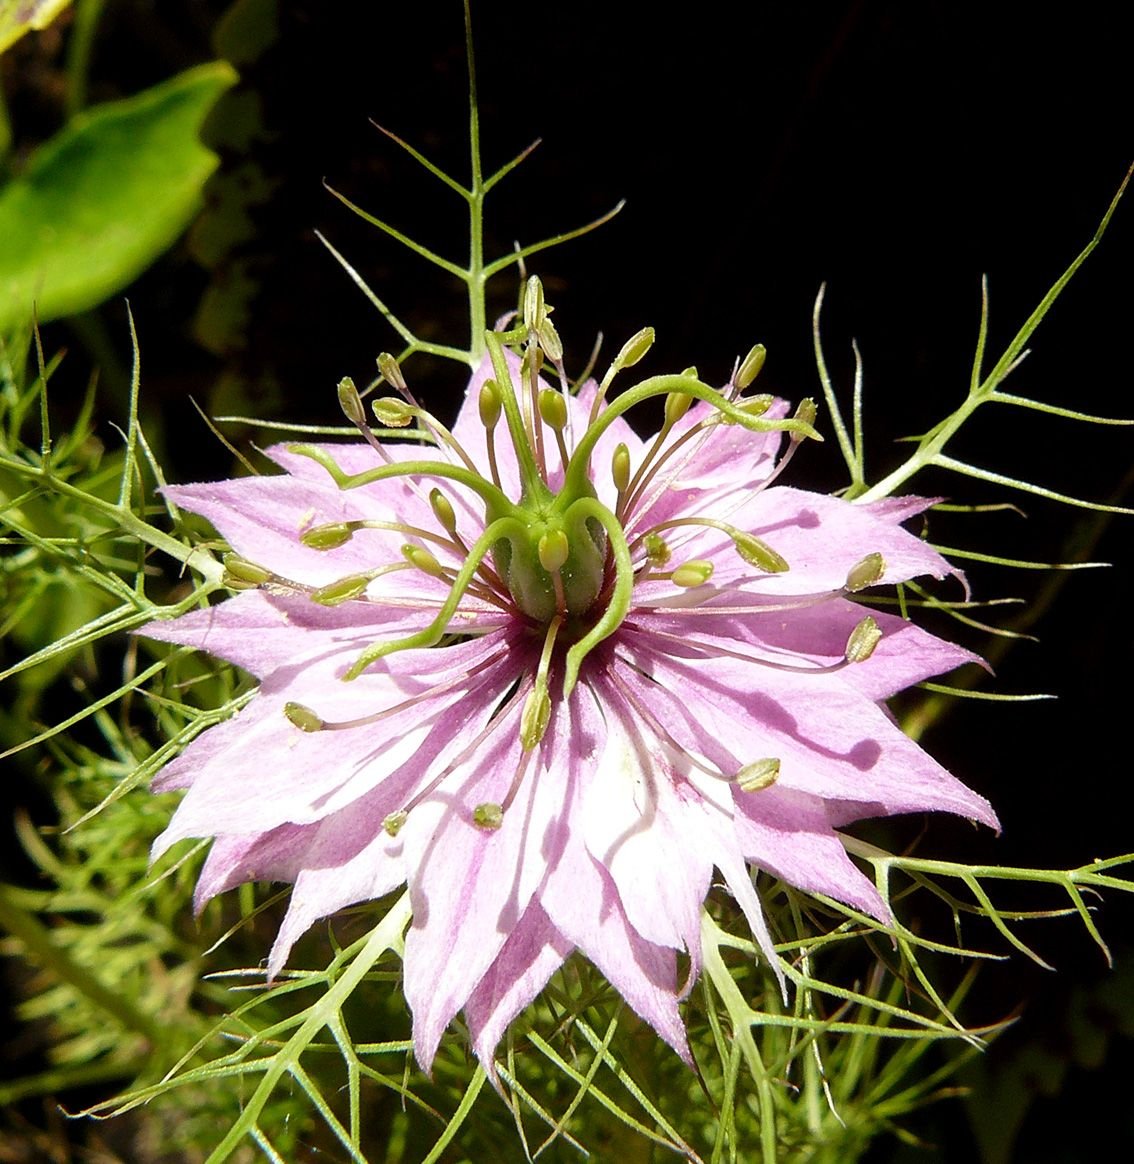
(550, 676)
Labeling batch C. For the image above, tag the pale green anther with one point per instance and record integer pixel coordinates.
(759, 775)
(757, 405)
(635, 348)
(327, 537)
(535, 717)
(750, 366)
(240, 574)
(391, 371)
(759, 554)
(620, 468)
(677, 404)
(342, 590)
(866, 573)
(392, 823)
(302, 717)
(752, 406)
(553, 409)
(423, 560)
(553, 550)
(695, 572)
(392, 412)
(351, 403)
(489, 403)
(863, 639)
(443, 510)
(534, 312)
(657, 550)
(488, 816)
(806, 411)
(549, 341)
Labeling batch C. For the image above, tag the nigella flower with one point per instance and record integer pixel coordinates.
(550, 676)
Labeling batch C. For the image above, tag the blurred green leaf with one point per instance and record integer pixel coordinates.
(20, 16)
(101, 200)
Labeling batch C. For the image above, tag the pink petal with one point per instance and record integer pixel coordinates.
(533, 952)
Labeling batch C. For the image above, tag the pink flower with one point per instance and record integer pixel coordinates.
(652, 666)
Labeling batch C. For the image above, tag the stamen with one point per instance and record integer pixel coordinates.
(467, 751)
(677, 404)
(488, 816)
(310, 721)
(328, 537)
(630, 353)
(658, 552)
(390, 412)
(337, 533)
(489, 405)
(351, 403)
(392, 822)
(391, 372)
(750, 367)
(863, 639)
(715, 650)
(553, 550)
(529, 372)
(241, 574)
(866, 573)
(753, 550)
(421, 559)
(351, 587)
(620, 470)
(553, 412)
(427, 563)
(537, 707)
(759, 775)
(303, 717)
(695, 572)
(397, 414)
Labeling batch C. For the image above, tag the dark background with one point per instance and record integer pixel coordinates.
(895, 151)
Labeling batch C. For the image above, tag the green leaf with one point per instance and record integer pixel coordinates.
(100, 201)
(18, 17)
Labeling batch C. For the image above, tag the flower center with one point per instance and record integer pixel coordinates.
(556, 557)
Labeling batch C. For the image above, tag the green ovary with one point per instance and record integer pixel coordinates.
(521, 565)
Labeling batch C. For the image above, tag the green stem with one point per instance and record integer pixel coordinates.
(38, 942)
(87, 14)
(476, 279)
(386, 935)
(932, 444)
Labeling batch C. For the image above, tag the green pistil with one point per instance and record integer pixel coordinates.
(664, 386)
(618, 604)
(495, 498)
(503, 527)
(533, 489)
